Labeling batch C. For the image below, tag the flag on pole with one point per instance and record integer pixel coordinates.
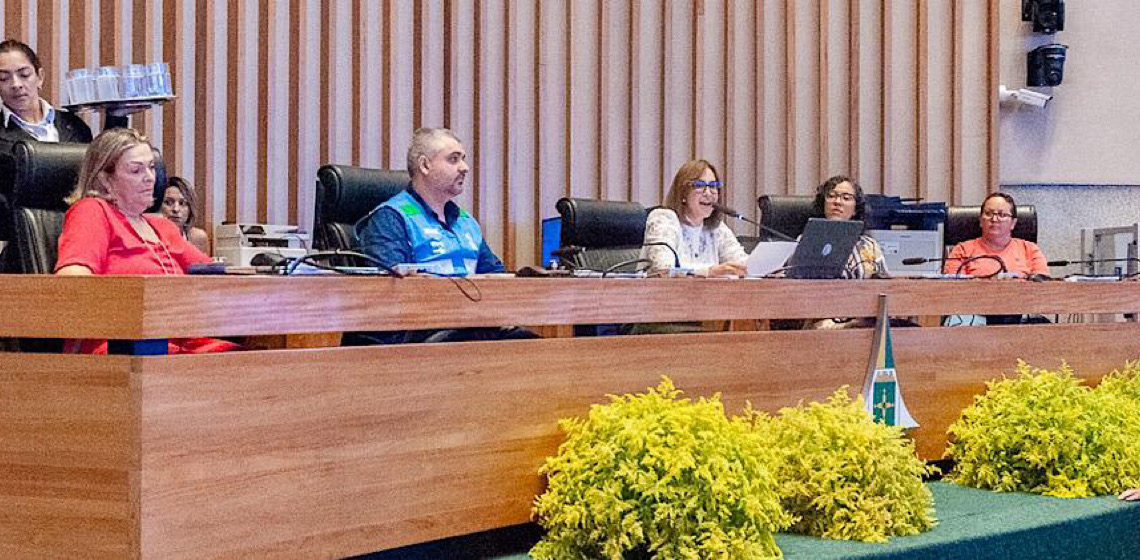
(882, 394)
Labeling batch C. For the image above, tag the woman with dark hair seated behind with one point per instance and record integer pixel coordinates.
(177, 205)
(106, 232)
(841, 198)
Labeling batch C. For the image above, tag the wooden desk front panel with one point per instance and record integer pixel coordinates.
(68, 457)
(325, 453)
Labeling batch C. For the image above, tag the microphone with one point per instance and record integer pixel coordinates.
(921, 260)
(1090, 261)
(734, 214)
(676, 256)
(965, 261)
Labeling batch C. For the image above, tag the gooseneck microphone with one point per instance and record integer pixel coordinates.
(1000, 262)
(1090, 261)
(961, 265)
(676, 256)
(734, 214)
(921, 260)
(568, 251)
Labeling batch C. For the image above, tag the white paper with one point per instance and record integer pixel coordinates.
(769, 256)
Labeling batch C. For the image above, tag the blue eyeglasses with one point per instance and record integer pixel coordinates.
(712, 185)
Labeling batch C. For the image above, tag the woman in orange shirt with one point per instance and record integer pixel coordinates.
(998, 218)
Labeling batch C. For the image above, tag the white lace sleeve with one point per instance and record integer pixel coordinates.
(728, 248)
(662, 226)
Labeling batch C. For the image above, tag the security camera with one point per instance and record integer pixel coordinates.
(1048, 16)
(1045, 65)
(1023, 96)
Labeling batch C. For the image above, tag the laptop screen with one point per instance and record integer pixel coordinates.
(824, 248)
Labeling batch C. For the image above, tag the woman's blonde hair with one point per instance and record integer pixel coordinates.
(103, 155)
(683, 186)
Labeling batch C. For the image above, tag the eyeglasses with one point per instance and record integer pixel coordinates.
(845, 197)
(996, 216)
(707, 185)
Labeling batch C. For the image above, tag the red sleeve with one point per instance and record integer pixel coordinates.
(181, 250)
(86, 237)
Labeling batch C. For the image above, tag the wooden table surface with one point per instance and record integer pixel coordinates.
(144, 307)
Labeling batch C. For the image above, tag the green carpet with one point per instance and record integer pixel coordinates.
(972, 525)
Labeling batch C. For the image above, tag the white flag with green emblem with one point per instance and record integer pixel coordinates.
(882, 394)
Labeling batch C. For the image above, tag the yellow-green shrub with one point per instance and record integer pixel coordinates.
(845, 476)
(660, 475)
(1048, 433)
(1124, 382)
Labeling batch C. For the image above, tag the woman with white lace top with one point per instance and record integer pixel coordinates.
(690, 224)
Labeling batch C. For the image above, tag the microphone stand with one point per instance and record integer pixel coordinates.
(734, 214)
(965, 261)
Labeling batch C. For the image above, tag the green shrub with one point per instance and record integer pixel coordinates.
(656, 474)
(1123, 382)
(1046, 432)
(843, 475)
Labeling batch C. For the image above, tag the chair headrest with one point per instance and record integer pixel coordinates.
(962, 224)
(346, 193)
(786, 214)
(45, 173)
(601, 223)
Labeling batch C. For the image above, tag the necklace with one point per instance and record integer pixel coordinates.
(166, 270)
(169, 265)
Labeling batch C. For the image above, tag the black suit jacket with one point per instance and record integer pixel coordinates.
(71, 129)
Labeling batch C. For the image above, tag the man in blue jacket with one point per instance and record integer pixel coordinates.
(423, 225)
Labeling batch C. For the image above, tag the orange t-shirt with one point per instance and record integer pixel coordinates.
(1020, 256)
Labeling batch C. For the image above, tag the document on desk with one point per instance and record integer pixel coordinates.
(769, 256)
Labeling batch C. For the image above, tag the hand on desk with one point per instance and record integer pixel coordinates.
(726, 269)
(1130, 495)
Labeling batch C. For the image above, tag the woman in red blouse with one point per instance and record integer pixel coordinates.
(106, 232)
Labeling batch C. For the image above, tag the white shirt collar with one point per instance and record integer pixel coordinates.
(44, 131)
(7, 114)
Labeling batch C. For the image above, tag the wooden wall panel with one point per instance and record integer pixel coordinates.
(552, 97)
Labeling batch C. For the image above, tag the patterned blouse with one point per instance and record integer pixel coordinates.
(697, 247)
(866, 259)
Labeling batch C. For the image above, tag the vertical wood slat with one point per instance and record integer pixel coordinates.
(993, 79)
(791, 102)
(684, 76)
(491, 169)
(823, 64)
(555, 97)
(922, 65)
(854, 46)
(886, 132)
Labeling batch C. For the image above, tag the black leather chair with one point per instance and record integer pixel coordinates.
(607, 232)
(785, 214)
(345, 194)
(962, 224)
(45, 174)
